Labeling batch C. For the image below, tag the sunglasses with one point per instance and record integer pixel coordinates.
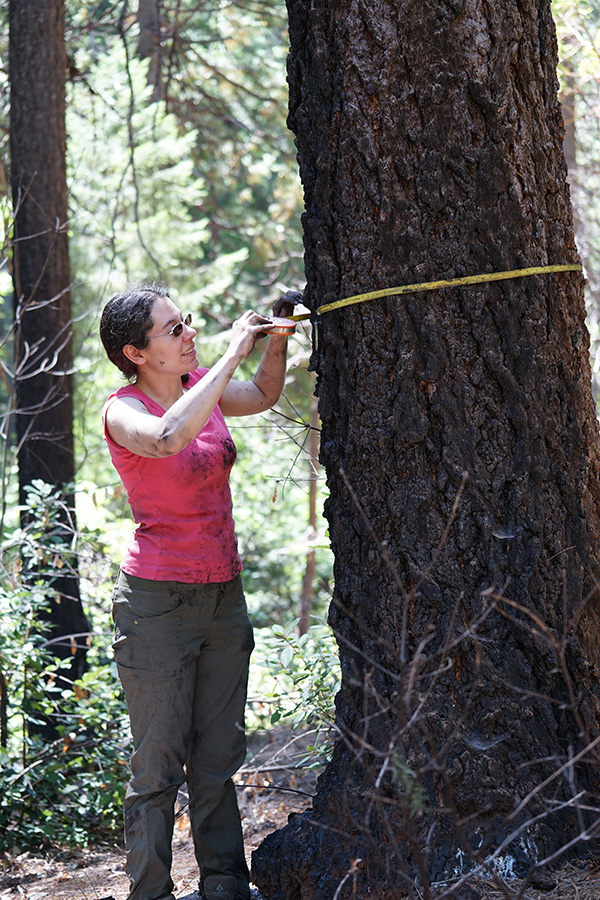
(176, 330)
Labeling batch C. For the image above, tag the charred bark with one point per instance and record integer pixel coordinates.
(460, 442)
(41, 276)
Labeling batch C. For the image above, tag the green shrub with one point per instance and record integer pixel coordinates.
(66, 791)
(69, 791)
(303, 677)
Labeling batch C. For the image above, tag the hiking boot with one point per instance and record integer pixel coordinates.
(220, 887)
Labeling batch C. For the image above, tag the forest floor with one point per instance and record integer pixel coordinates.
(270, 787)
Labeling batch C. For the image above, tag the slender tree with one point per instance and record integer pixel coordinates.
(460, 443)
(43, 326)
(149, 44)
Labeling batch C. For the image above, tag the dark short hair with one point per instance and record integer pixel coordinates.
(127, 319)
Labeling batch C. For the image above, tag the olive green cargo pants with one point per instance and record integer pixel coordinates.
(182, 653)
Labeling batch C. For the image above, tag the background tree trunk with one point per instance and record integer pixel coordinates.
(430, 147)
(567, 98)
(149, 44)
(43, 368)
(306, 594)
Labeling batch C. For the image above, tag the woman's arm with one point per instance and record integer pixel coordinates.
(130, 425)
(246, 398)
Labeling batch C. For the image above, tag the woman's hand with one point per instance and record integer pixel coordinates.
(245, 332)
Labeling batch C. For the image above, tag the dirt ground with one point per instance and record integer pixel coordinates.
(99, 874)
(270, 787)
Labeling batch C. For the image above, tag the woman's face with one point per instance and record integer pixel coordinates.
(165, 351)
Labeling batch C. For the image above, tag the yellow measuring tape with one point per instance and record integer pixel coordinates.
(436, 285)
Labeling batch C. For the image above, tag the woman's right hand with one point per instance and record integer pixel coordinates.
(246, 331)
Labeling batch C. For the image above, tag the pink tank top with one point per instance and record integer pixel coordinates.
(181, 504)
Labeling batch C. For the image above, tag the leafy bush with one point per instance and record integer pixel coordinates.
(303, 679)
(68, 790)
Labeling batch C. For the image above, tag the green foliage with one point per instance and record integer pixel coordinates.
(232, 90)
(135, 197)
(42, 544)
(23, 656)
(412, 792)
(68, 790)
(304, 679)
(270, 492)
(578, 29)
(222, 76)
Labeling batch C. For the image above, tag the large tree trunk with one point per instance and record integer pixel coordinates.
(460, 442)
(43, 367)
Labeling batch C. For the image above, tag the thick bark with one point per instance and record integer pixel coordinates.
(43, 379)
(460, 443)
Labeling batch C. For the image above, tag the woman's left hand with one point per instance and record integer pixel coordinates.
(286, 303)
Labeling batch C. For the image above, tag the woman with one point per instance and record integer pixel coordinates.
(182, 634)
